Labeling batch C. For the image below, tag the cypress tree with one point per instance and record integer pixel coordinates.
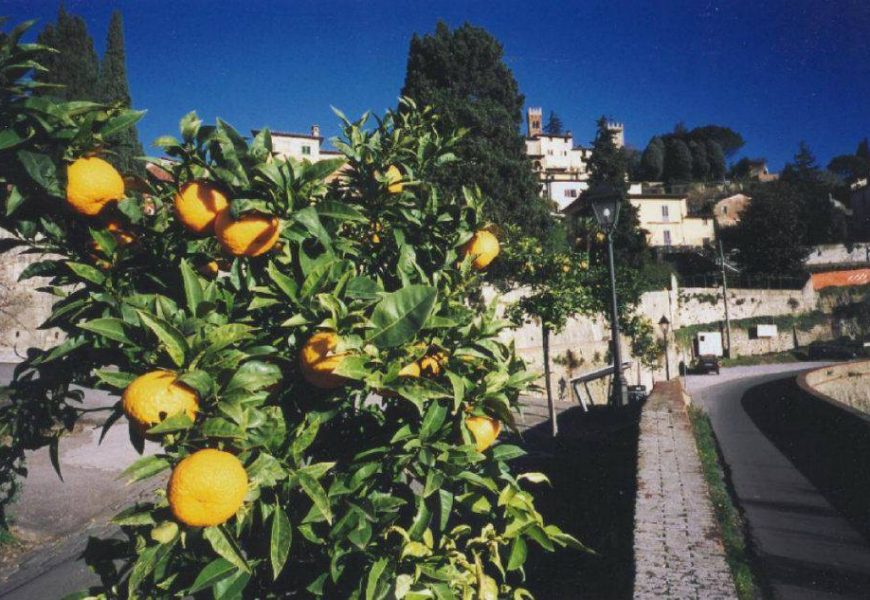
(76, 66)
(114, 90)
(678, 161)
(652, 163)
(554, 124)
(700, 163)
(463, 75)
(716, 159)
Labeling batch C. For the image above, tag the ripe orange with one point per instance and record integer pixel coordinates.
(317, 360)
(197, 204)
(209, 269)
(483, 247)
(484, 430)
(91, 184)
(152, 397)
(207, 488)
(123, 237)
(431, 365)
(251, 235)
(394, 177)
(411, 370)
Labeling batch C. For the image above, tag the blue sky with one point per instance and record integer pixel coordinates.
(777, 71)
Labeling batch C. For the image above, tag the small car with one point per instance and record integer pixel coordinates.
(707, 364)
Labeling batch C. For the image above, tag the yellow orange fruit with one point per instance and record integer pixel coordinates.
(207, 488)
(394, 177)
(430, 366)
(152, 397)
(197, 205)
(484, 430)
(318, 360)
(375, 238)
(123, 237)
(483, 247)
(252, 235)
(209, 269)
(92, 183)
(565, 268)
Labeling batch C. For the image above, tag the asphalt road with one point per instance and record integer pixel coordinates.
(806, 548)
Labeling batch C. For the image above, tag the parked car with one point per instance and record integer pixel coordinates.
(706, 364)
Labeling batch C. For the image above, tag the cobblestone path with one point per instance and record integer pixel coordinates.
(677, 549)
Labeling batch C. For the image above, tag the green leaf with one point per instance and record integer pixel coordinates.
(517, 556)
(285, 284)
(192, 286)
(226, 335)
(507, 452)
(87, 272)
(123, 121)
(433, 420)
(107, 327)
(254, 375)
(42, 170)
(317, 494)
(339, 210)
(173, 341)
(200, 381)
(216, 570)
(282, 537)
(374, 583)
(224, 546)
(145, 467)
(363, 288)
(177, 422)
(14, 200)
(400, 315)
(115, 379)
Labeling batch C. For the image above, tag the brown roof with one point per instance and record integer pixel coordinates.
(306, 136)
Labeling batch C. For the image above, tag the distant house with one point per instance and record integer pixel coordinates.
(757, 169)
(665, 218)
(300, 146)
(727, 211)
(562, 167)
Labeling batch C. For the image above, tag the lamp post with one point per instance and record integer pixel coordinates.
(605, 201)
(666, 327)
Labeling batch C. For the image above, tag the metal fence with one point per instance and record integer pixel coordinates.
(744, 281)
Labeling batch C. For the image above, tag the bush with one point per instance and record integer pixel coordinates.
(366, 478)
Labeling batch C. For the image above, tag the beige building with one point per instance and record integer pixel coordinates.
(666, 219)
(561, 166)
(728, 210)
(300, 146)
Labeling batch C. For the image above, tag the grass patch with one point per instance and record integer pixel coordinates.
(788, 356)
(731, 525)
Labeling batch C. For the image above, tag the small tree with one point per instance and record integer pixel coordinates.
(653, 160)
(554, 124)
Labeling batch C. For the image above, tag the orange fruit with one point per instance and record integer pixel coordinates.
(197, 204)
(92, 183)
(152, 397)
(124, 237)
(483, 247)
(317, 360)
(209, 269)
(431, 365)
(394, 178)
(484, 430)
(252, 235)
(411, 370)
(207, 488)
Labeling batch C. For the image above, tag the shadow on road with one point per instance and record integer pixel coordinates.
(592, 466)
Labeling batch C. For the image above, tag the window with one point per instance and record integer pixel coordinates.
(306, 150)
(570, 193)
(667, 235)
(724, 210)
(665, 215)
(705, 241)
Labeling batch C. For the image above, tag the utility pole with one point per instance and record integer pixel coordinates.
(725, 299)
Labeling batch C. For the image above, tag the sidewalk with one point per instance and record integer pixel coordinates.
(677, 549)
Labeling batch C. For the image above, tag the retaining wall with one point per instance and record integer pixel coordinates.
(846, 383)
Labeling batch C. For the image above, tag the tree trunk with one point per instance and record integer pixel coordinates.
(554, 426)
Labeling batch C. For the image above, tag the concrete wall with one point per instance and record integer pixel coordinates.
(704, 305)
(838, 254)
(846, 383)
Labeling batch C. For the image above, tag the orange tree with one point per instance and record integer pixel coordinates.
(326, 401)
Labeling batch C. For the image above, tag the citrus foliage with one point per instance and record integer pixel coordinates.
(385, 485)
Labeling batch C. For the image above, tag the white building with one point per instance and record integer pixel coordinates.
(561, 166)
(301, 146)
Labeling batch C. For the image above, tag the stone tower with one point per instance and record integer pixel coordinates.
(617, 130)
(535, 119)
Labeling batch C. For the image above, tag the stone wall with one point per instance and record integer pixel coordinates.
(846, 383)
(838, 254)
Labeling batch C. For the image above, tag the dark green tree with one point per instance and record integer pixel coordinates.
(463, 75)
(804, 168)
(700, 163)
(813, 189)
(729, 140)
(678, 161)
(863, 150)
(114, 90)
(716, 159)
(554, 124)
(771, 237)
(76, 66)
(848, 167)
(652, 162)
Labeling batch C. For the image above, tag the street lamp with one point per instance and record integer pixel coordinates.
(605, 201)
(666, 327)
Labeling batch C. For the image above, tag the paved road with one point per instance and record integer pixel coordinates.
(806, 548)
(54, 518)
